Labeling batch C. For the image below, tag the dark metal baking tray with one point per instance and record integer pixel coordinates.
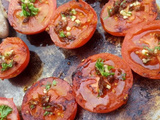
(49, 60)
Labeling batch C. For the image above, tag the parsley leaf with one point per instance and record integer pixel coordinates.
(5, 66)
(28, 9)
(100, 67)
(5, 111)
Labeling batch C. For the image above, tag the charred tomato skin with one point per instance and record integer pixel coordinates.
(21, 56)
(60, 93)
(14, 115)
(84, 80)
(118, 26)
(81, 31)
(34, 24)
(136, 40)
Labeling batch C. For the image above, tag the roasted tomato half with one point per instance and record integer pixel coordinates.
(30, 16)
(118, 16)
(141, 49)
(8, 110)
(102, 83)
(14, 57)
(49, 99)
(73, 24)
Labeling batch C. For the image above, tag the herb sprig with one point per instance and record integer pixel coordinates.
(5, 111)
(28, 8)
(100, 67)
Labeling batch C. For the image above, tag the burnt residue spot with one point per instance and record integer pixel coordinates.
(31, 73)
(113, 39)
(26, 20)
(41, 39)
(62, 69)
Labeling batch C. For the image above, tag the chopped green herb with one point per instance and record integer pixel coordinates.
(157, 47)
(48, 86)
(28, 8)
(116, 3)
(158, 43)
(73, 11)
(5, 111)
(98, 93)
(110, 67)
(61, 34)
(122, 2)
(32, 1)
(147, 48)
(108, 10)
(124, 76)
(62, 15)
(6, 66)
(54, 83)
(47, 113)
(32, 106)
(100, 67)
(48, 106)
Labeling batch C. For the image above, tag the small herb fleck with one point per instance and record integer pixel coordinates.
(61, 34)
(48, 86)
(73, 11)
(47, 113)
(54, 83)
(124, 76)
(108, 11)
(32, 106)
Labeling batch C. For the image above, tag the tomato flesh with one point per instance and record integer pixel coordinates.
(119, 23)
(14, 115)
(73, 24)
(143, 52)
(20, 56)
(35, 24)
(86, 84)
(48, 101)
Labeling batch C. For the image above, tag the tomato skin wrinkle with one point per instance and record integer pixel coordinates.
(73, 24)
(97, 92)
(140, 49)
(14, 57)
(34, 20)
(56, 102)
(117, 17)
